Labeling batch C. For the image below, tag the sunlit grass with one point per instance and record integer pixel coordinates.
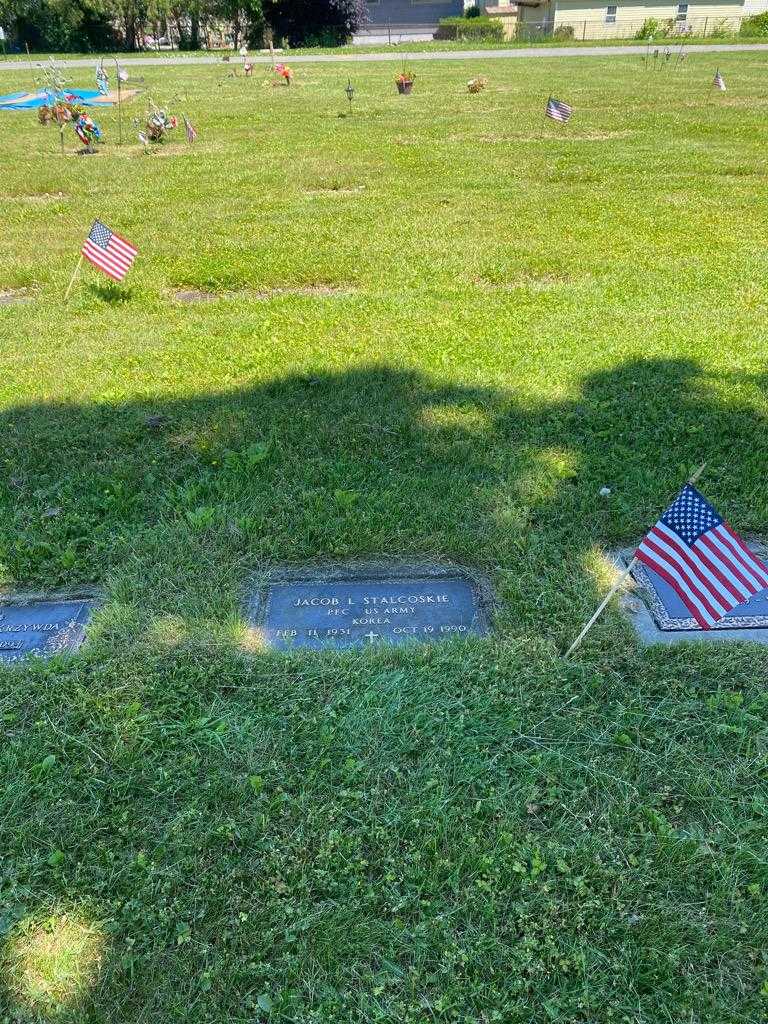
(51, 963)
(433, 330)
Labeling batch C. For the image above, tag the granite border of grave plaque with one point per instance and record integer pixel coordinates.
(653, 624)
(81, 604)
(259, 588)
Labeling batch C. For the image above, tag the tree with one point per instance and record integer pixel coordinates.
(244, 17)
(131, 16)
(315, 22)
(57, 25)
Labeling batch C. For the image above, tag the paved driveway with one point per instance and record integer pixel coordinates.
(535, 52)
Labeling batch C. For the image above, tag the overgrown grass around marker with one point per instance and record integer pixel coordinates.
(466, 322)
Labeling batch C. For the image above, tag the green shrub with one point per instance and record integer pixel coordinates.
(757, 25)
(472, 12)
(533, 32)
(563, 32)
(479, 27)
(651, 28)
(721, 29)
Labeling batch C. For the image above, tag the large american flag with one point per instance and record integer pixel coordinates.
(108, 251)
(697, 553)
(558, 110)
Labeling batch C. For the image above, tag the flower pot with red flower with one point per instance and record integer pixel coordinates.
(284, 73)
(404, 83)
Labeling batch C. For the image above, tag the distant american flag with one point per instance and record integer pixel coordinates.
(108, 251)
(702, 559)
(719, 81)
(558, 110)
(189, 129)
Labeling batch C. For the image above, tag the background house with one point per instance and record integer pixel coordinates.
(595, 19)
(411, 12)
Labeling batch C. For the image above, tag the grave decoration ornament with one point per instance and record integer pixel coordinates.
(156, 126)
(349, 89)
(87, 131)
(404, 82)
(60, 112)
(284, 72)
(477, 84)
(102, 80)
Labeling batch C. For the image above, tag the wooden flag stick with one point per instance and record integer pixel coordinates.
(72, 281)
(544, 118)
(618, 584)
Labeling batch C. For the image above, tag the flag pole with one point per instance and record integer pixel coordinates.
(60, 122)
(618, 583)
(72, 281)
(544, 118)
(119, 104)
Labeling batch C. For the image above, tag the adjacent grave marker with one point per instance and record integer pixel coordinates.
(42, 627)
(363, 606)
(659, 615)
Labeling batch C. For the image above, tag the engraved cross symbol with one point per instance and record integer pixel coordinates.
(370, 636)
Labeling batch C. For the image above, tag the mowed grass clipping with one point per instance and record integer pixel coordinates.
(432, 329)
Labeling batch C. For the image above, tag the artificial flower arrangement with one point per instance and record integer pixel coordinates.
(60, 111)
(404, 82)
(86, 130)
(477, 84)
(284, 72)
(158, 124)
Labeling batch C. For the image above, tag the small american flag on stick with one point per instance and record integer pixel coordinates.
(189, 129)
(108, 251)
(718, 81)
(697, 553)
(704, 561)
(558, 111)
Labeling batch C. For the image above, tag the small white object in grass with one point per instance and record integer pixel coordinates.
(605, 492)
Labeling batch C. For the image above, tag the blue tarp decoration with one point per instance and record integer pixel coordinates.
(34, 100)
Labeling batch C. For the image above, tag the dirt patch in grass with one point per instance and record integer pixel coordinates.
(193, 295)
(532, 282)
(314, 291)
(13, 296)
(335, 190)
(37, 198)
(547, 134)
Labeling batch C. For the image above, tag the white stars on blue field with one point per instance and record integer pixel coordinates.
(690, 515)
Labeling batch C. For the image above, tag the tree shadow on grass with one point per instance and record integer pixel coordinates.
(360, 838)
(168, 503)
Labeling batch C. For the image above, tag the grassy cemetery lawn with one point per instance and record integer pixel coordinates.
(435, 328)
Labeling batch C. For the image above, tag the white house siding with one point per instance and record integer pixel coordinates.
(588, 21)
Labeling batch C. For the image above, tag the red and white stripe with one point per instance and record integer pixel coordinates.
(712, 577)
(115, 260)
